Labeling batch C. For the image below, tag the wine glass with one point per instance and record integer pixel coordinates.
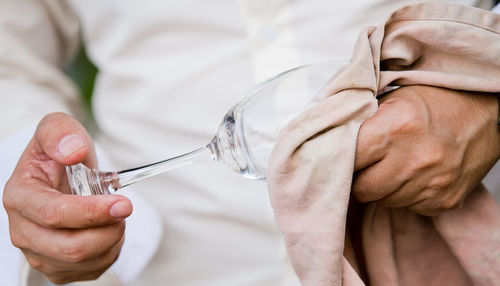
(244, 139)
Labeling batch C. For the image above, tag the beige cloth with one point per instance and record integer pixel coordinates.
(311, 167)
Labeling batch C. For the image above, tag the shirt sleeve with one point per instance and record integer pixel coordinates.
(37, 38)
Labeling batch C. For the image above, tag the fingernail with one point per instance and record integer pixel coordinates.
(120, 209)
(70, 144)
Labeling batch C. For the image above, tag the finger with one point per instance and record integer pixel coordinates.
(410, 193)
(73, 276)
(379, 180)
(373, 141)
(71, 246)
(49, 208)
(64, 140)
(425, 207)
(63, 272)
(436, 201)
(407, 195)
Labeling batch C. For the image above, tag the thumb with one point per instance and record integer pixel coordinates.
(64, 139)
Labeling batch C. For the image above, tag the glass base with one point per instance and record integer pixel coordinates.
(84, 181)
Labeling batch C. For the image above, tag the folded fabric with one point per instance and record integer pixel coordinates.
(311, 167)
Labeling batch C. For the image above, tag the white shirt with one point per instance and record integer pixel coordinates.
(168, 72)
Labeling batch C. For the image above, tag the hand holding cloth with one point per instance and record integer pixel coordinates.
(311, 167)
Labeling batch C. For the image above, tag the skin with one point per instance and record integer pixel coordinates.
(426, 148)
(66, 237)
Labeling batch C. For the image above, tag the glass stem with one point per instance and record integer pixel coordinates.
(130, 176)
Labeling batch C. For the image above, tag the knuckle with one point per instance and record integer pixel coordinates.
(428, 194)
(436, 154)
(409, 122)
(428, 206)
(74, 251)
(93, 214)
(89, 216)
(17, 239)
(439, 201)
(11, 200)
(7, 199)
(34, 262)
(49, 215)
(424, 160)
(442, 181)
(453, 203)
